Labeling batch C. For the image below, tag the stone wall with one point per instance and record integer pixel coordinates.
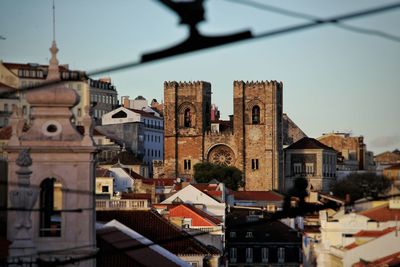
(249, 141)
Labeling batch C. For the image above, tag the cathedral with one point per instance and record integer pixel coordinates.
(251, 140)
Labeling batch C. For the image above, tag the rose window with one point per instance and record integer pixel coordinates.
(221, 155)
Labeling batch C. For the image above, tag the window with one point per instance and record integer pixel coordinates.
(5, 107)
(24, 110)
(264, 254)
(233, 255)
(281, 255)
(297, 168)
(186, 164)
(255, 115)
(50, 206)
(254, 164)
(187, 118)
(79, 112)
(104, 189)
(310, 168)
(232, 234)
(249, 255)
(249, 235)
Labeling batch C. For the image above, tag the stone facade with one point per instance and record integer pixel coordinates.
(62, 174)
(291, 132)
(253, 143)
(352, 152)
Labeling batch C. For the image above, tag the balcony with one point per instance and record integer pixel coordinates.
(122, 204)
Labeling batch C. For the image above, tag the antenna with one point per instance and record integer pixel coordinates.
(54, 22)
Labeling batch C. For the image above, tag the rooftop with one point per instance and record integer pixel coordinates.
(151, 225)
(309, 143)
(382, 213)
(258, 195)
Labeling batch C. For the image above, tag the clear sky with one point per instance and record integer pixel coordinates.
(334, 80)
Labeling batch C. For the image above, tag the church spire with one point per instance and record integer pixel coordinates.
(53, 73)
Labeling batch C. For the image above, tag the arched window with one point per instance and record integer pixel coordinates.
(187, 118)
(50, 208)
(255, 115)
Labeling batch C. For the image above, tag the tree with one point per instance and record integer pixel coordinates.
(230, 176)
(360, 185)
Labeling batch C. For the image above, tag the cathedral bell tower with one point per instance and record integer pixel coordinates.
(187, 107)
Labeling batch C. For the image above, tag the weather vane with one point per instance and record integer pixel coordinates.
(191, 13)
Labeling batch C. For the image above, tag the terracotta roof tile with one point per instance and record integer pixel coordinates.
(382, 213)
(374, 233)
(5, 133)
(161, 181)
(136, 196)
(201, 213)
(390, 260)
(351, 246)
(151, 225)
(118, 249)
(393, 167)
(101, 172)
(258, 195)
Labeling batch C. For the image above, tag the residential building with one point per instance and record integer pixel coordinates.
(252, 240)
(352, 151)
(252, 142)
(127, 160)
(343, 232)
(103, 97)
(7, 103)
(140, 103)
(139, 131)
(393, 173)
(310, 159)
(202, 198)
(24, 75)
(386, 159)
(104, 184)
(204, 227)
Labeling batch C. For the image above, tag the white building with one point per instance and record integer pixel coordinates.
(341, 239)
(200, 199)
(142, 132)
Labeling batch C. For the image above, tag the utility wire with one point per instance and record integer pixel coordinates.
(295, 14)
(314, 23)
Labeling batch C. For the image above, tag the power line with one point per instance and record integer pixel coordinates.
(315, 23)
(295, 14)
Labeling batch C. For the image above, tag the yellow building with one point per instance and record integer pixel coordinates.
(26, 75)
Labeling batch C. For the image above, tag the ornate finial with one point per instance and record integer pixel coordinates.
(24, 159)
(54, 22)
(53, 73)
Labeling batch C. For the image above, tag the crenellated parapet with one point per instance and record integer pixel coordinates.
(257, 83)
(184, 84)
